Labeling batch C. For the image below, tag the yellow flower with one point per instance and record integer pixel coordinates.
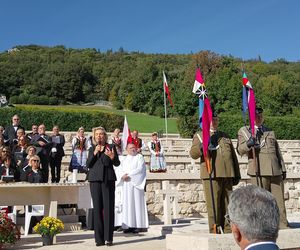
(49, 225)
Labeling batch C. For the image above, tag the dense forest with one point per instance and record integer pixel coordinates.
(58, 75)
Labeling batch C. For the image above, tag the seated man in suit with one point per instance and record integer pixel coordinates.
(254, 218)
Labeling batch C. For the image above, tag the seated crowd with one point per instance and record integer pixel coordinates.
(26, 157)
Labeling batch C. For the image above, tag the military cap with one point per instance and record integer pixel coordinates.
(258, 110)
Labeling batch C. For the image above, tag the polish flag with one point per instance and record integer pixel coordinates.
(166, 88)
(126, 135)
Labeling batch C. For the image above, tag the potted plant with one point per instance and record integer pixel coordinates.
(47, 228)
(9, 233)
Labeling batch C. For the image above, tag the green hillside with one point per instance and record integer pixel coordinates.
(141, 122)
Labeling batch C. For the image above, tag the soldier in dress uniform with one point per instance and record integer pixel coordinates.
(269, 167)
(225, 172)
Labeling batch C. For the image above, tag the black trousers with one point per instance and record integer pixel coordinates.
(55, 165)
(103, 196)
(45, 168)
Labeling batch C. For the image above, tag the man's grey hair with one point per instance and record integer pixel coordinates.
(255, 212)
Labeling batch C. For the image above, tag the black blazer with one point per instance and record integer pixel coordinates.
(42, 151)
(59, 147)
(101, 167)
(30, 176)
(12, 171)
(10, 133)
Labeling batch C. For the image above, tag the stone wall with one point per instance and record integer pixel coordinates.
(191, 197)
(184, 177)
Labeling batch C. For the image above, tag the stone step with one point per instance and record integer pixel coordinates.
(71, 227)
(184, 156)
(168, 160)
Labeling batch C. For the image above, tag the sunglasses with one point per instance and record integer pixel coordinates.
(35, 160)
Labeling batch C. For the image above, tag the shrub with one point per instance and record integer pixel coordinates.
(286, 127)
(67, 120)
(9, 233)
(187, 126)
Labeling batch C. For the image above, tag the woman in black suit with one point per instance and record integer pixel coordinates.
(101, 159)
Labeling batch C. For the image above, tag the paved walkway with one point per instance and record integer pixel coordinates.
(151, 240)
(84, 240)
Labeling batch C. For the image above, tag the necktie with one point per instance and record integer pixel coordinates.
(259, 133)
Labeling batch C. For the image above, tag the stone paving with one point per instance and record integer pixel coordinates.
(154, 239)
(85, 240)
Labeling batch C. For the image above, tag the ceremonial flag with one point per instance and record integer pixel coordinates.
(205, 113)
(205, 118)
(248, 102)
(126, 135)
(166, 89)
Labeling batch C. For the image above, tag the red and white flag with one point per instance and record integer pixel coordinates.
(126, 135)
(166, 88)
(249, 102)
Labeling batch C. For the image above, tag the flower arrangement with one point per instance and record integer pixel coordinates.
(49, 226)
(9, 232)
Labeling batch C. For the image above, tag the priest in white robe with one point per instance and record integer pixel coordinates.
(130, 205)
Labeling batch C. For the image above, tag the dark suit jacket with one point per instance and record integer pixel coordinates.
(42, 151)
(10, 133)
(30, 135)
(30, 176)
(264, 246)
(101, 166)
(12, 171)
(59, 147)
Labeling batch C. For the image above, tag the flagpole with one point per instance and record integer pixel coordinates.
(165, 103)
(204, 124)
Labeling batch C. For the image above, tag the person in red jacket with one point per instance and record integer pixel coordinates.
(138, 142)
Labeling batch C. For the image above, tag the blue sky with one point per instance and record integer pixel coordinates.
(242, 28)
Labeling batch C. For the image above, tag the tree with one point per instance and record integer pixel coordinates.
(272, 94)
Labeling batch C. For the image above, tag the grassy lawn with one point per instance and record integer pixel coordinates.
(139, 121)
